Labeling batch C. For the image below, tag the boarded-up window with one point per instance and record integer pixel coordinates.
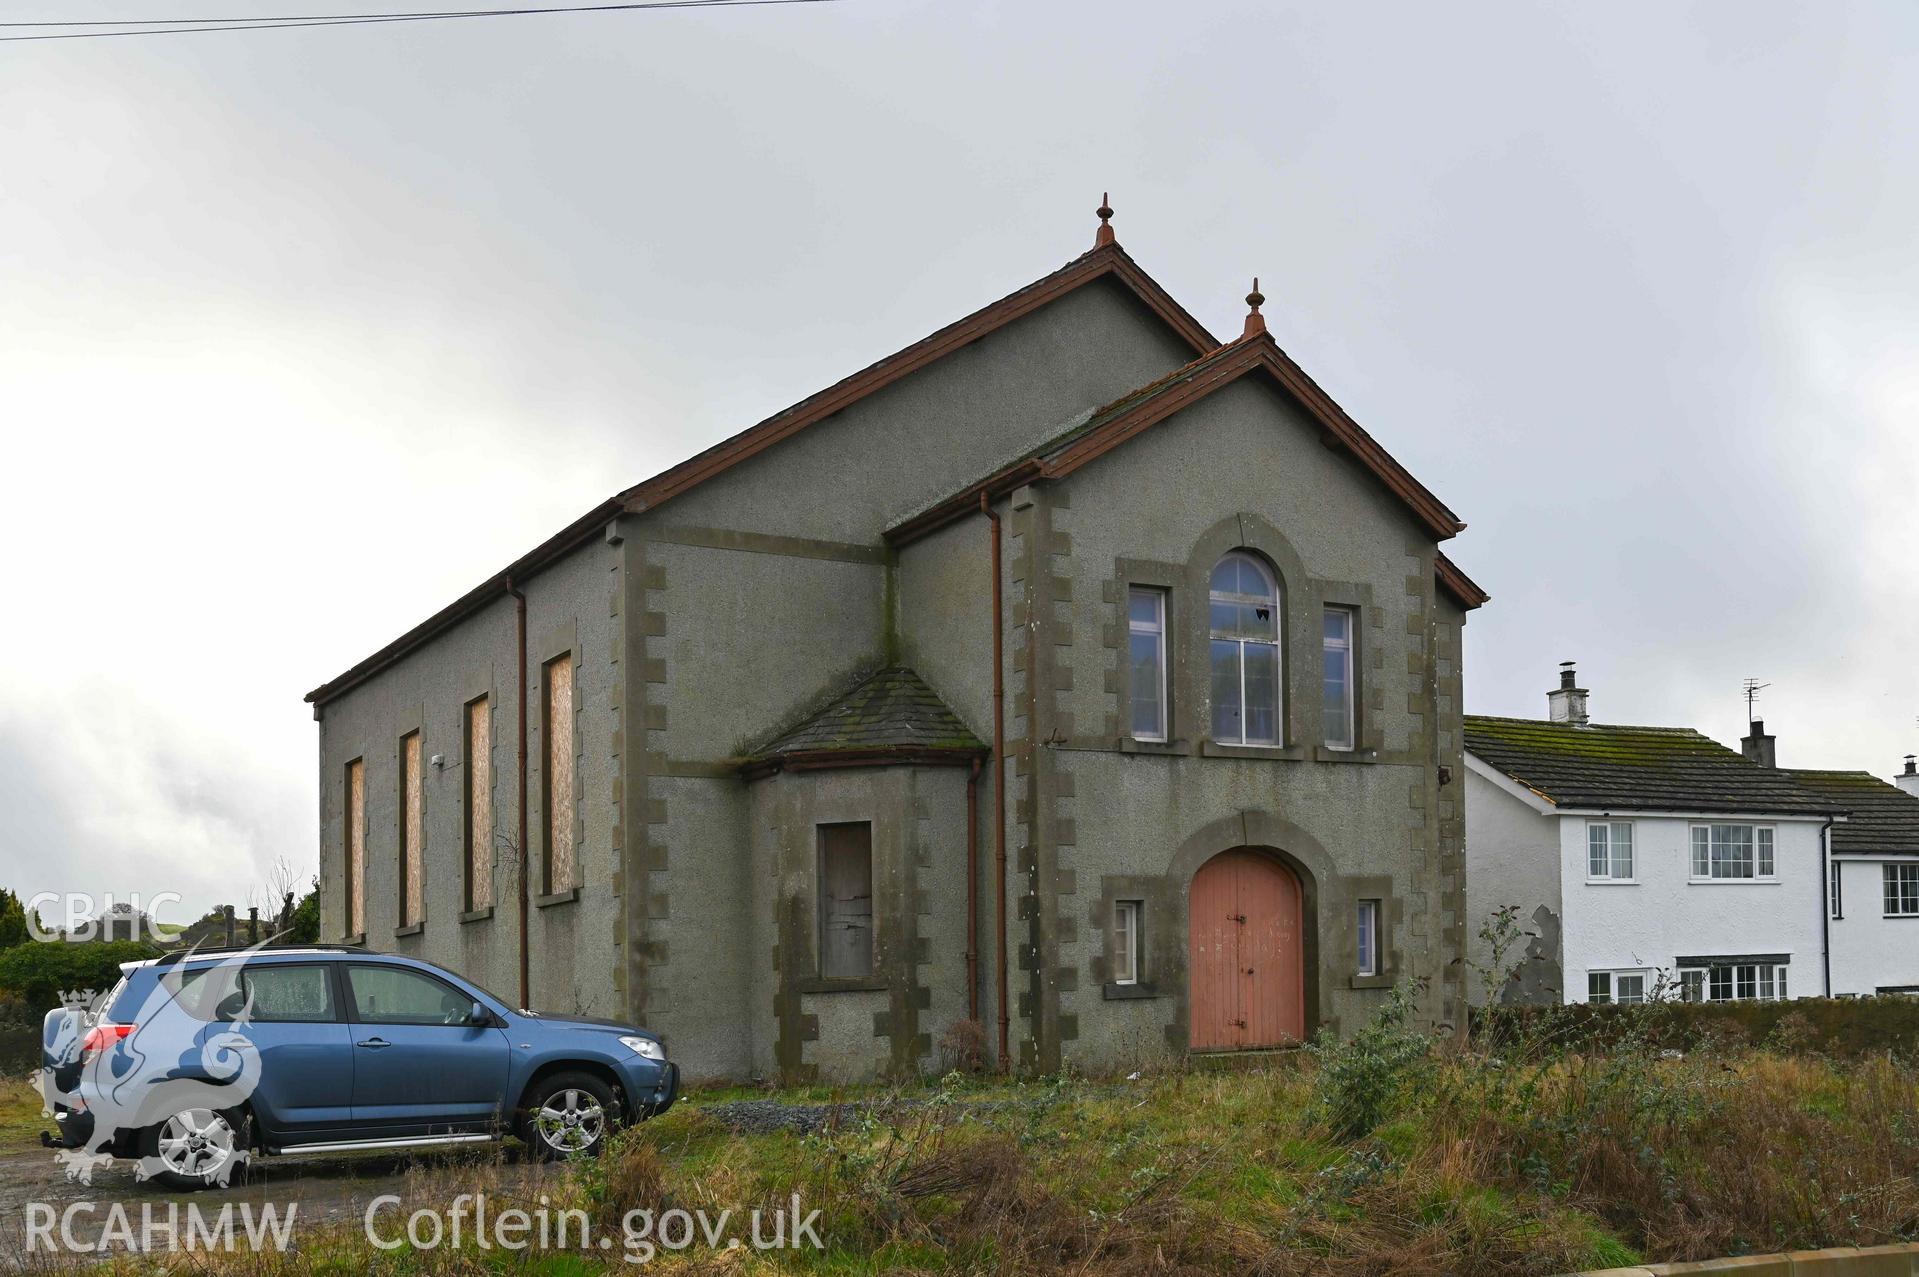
(412, 832)
(846, 900)
(479, 805)
(356, 847)
(559, 773)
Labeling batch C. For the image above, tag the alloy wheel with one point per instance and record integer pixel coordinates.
(197, 1143)
(570, 1121)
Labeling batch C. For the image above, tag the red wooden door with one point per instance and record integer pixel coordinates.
(1246, 956)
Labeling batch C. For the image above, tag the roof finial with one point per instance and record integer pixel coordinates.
(1104, 235)
(1255, 322)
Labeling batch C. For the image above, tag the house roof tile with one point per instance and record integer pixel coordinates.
(1879, 817)
(1612, 767)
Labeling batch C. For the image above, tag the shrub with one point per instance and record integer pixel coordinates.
(1362, 1077)
(39, 973)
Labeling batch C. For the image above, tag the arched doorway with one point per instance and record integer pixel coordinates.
(1245, 938)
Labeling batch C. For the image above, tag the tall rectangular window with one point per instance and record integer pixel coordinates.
(1146, 623)
(355, 847)
(478, 751)
(1368, 929)
(412, 832)
(1838, 901)
(1732, 852)
(1336, 678)
(1126, 941)
(557, 723)
(1902, 890)
(1609, 851)
(846, 900)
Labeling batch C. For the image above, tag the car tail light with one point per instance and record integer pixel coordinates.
(102, 1037)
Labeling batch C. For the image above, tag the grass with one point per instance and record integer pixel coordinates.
(1386, 1154)
(20, 1118)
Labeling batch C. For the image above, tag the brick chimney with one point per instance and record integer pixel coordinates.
(1758, 746)
(1908, 779)
(1567, 701)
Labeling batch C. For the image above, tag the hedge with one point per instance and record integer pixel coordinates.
(1838, 1027)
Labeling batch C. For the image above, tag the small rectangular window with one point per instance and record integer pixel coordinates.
(1368, 927)
(1902, 890)
(412, 832)
(1337, 700)
(1126, 941)
(1719, 987)
(1782, 984)
(1838, 900)
(557, 723)
(1747, 976)
(1609, 851)
(1599, 986)
(478, 745)
(355, 847)
(846, 900)
(1692, 986)
(1146, 626)
(1629, 987)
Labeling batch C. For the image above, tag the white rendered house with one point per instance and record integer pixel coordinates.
(1644, 859)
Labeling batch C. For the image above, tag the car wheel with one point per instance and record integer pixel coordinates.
(570, 1115)
(196, 1148)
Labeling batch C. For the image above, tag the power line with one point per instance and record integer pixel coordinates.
(194, 26)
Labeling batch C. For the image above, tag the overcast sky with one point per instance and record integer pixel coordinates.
(1632, 287)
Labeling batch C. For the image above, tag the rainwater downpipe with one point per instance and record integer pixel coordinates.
(519, 613)
(999, 789)
(1825, 900)
(972, 890)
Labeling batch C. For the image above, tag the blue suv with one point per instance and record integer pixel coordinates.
(194, 1061)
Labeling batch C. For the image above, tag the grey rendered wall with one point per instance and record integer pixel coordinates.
(903, 448)
(1099, 820)
(1512, 858)
(806, 1027)
(737, 635)
(571, 608)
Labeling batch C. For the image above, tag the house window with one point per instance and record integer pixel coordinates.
(558, 779)
(1732, 852)
(356, 847)
(1336, 677)
(1902, 890)
(1245, 652)
(1368, 937)
(478, 748)
(1146, 619)
(412, 832)
(1609, 851)
(1838, 901)
(1126, 941)
(846, 900)
(1628, 988)
(1734, 981)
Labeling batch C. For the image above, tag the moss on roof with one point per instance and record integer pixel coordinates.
(1611, 766)
(890, 708)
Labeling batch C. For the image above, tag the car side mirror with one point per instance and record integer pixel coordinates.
(478, 1014)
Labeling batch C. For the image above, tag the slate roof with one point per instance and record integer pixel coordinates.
(1880, 817)
(1611, 767)
(889, 710)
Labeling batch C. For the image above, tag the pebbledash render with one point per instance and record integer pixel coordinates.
(1067, 689)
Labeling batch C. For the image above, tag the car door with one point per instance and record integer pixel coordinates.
(295, 1021)
(419, 1066)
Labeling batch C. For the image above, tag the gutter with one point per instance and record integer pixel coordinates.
(999, 787)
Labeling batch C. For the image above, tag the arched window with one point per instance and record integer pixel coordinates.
(1246, 664)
